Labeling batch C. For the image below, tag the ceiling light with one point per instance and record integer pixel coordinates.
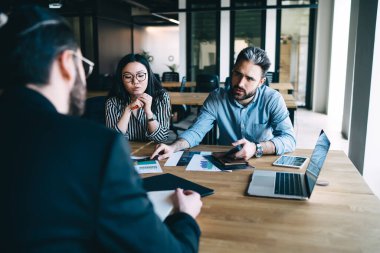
(174, 21)
(55, 4)
(3, 19)
(163, 17)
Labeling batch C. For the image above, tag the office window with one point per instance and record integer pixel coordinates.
(295, 2)
(294, 43)
(247, 26)
(248, 30)
(204, 38)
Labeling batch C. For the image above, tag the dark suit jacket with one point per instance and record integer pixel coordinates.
(68, 185)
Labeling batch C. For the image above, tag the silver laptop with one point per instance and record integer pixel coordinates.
(279, 184)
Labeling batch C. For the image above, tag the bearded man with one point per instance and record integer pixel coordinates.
(249, 113)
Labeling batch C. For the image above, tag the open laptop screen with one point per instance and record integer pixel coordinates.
(316, 161)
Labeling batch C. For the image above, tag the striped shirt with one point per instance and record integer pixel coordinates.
(137, 126)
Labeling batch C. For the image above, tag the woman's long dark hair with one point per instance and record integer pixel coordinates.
(154, 87)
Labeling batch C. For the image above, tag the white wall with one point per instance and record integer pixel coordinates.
(321, 72)
(160, 42)
(362, 115)
(182, 38)
(339, 52)
(270, 34)
(351, 51)
(371, 171)
(224, 68)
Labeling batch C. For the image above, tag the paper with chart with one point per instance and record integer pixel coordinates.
(199, 163)
(183, 158)
(145, 165)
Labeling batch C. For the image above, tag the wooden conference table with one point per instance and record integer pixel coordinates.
(341, 217)
(198, 98)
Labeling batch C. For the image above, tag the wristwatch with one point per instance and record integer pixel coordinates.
(259, 150)
(152, 119)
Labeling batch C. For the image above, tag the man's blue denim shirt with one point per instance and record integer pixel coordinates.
(265, 118)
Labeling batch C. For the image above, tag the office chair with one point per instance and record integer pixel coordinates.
(211, 138)
(269, 78)
(206, 83)
(157, 76)
(95, 109)
(181, 111)
(170, 77)
(227, 83)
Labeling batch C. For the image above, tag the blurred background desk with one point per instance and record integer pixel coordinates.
(177, 84)
(91, 94)
(198, 98)
(188, 98)
(341, 217)
(285, 88)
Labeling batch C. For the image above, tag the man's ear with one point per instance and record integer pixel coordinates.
(262, 81)
(67, 66)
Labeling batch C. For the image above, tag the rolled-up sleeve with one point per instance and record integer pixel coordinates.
(113, 114)
(163, 113)
(283, 132)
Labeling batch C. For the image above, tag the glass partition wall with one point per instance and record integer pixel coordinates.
(294, 53)
(248, 26)
(291, 34)
(203, 31)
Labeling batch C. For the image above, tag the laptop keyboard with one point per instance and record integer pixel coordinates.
(288, 184)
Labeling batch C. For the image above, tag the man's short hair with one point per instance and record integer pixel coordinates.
(257, 56)
(30, 41)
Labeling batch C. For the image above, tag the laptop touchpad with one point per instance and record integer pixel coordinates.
(264, 181)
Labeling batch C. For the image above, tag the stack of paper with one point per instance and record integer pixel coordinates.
(162, 202)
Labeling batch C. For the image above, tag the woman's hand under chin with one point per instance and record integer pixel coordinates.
(146, 100)
(135, 104)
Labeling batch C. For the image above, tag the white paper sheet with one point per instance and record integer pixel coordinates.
(162, 202)
(174, 158)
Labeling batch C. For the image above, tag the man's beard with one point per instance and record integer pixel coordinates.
(243, 97)
(77, 96)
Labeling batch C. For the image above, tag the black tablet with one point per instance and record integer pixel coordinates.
(171, 182)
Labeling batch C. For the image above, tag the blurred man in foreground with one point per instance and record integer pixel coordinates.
(68, 185)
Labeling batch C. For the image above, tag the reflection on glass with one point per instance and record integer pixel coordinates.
(247, 30)
(317, 159)
(294, 2)
(247, 25)
(204, 35)
(294, 50)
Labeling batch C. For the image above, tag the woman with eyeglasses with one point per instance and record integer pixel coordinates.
(137, 105)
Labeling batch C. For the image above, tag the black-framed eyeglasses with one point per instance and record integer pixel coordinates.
(88, 65)
(128, 78)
